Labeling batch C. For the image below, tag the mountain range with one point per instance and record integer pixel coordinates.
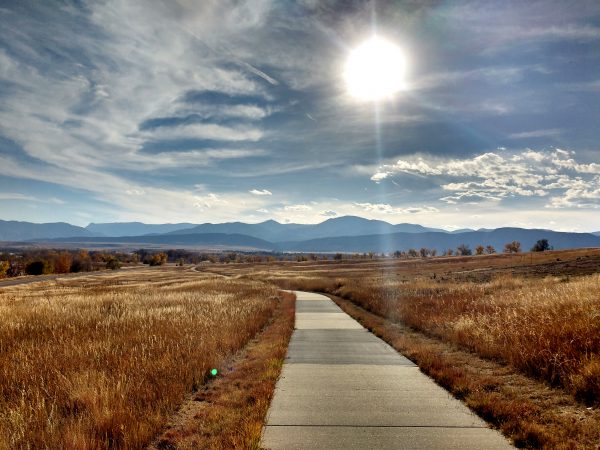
(342, 234)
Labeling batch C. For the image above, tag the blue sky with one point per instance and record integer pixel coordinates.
(212, 111)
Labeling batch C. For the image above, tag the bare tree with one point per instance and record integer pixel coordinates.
(463, 250)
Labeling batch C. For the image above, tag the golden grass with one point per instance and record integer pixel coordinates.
(102, 362)
(521, 319)
(548, 328)
(229, 413)
(525, 410)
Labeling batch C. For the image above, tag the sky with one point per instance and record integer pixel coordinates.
(214, 111)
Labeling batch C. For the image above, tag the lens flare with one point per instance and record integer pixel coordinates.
(375, 70)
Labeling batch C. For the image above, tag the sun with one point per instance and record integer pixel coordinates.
(375, 70)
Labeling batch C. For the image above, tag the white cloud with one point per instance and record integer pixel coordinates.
(386, 208)
(297, 208)
(492, 177)
(260, 192)
(329, 213)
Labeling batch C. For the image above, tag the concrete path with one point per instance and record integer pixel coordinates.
(343, 388)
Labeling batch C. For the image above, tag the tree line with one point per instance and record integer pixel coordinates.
(464, 250)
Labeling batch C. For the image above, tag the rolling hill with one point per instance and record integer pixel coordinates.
(23, 231)
(134, 228)
(441, 241)
(207, 240)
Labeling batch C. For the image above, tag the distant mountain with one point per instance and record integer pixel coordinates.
(341, 234)
(22, 231)
(442, 241)
(207, 240)
(340, 226)
(465, 230)
(134, 228)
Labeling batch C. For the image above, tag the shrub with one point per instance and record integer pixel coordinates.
(38, 267)
(541, 246)
(113, 264)
(81, 265)
(463, 250)
(158, 259)
(4, 266)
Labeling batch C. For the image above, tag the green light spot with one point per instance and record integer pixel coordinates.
(214, 372)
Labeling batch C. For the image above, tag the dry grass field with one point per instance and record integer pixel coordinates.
(521, 309)
(229, 413)
(103, 362)
(548, 328)
(538, 314)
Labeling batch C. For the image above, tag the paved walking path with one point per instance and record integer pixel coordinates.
(343, 388)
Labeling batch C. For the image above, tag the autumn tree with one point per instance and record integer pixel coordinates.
(4, 266)
(512, 247)
(82, 262)
(157, 259)
(490, 249)
(424, 252)
(413, 253)
(62, 262)
(479, 250)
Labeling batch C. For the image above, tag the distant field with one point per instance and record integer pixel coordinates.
(536, 313)
(102, 362)
(539, 312)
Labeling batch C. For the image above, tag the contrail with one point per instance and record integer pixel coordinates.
(260, 73)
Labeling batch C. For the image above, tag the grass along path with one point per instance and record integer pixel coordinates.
(229, 412)
(529, 412)
(103, 362)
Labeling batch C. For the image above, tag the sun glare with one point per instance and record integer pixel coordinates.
(375, 70)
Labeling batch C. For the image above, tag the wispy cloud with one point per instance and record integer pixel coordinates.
(536, 133)
(260, 192)
(297, 208)
(11, 196)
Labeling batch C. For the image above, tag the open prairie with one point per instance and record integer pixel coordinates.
(103, 361)
(536, 315)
